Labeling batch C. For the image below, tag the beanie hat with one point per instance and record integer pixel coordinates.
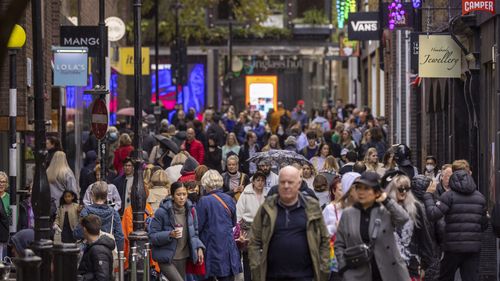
(347, 181)
(419, 185)
(189, 166)
(22, 239)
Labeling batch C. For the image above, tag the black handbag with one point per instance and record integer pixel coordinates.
(360, 255)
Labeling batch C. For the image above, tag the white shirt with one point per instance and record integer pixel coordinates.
(248, 204)
(332, 214)
(129, 181)
(271, 180)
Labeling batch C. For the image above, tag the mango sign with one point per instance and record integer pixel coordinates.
(478, 5)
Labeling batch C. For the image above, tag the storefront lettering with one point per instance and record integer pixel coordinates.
(278, 64)
(441, 56)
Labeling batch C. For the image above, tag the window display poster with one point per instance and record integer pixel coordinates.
(262, 92)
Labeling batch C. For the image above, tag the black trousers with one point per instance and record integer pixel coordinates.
(246, 266)
(467, 263)
(227, 278)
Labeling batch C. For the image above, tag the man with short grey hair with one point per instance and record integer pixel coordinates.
(290, 240)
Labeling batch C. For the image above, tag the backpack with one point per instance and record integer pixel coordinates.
(285, 120)
(110, 235)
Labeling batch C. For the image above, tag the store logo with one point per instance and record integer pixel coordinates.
(70, 68)
(83, 41)
(363, 26)
(478, 5)
(367, 25)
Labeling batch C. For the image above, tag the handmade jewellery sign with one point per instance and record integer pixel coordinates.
(439, 57)
(478, 5)
(70, 66)
(363, 26)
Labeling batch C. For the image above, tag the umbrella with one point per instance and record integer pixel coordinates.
(128, 111)
(280, 157)
(168, 143)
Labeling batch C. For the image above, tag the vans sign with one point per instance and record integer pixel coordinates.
(83, 36)
(363, 26)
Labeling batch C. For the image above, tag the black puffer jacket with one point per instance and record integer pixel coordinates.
(97, 260)
(464, 211)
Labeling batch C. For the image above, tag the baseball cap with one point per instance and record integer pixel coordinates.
(370, 179)
(300, 102)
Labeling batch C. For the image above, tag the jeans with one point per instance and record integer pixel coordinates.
(467, 263)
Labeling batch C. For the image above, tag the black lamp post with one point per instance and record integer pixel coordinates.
(40, 199)
(102, 80)
(138, 195)
(157, 110)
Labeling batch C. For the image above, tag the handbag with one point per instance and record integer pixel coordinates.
(360, 255)
(195, 268)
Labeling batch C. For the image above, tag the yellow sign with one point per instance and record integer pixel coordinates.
(439, 57)
(125, 63)
(262, 92)
(17, 37)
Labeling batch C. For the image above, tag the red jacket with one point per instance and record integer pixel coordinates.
(197, 150)
(121, 153)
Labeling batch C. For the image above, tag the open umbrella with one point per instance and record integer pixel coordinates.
(128, 111)
(168, 143)
(279, 157)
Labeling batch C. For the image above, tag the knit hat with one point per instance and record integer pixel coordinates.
(22, 239)
(347, 180)
(370, 179)
(419, 185)
(189, 166)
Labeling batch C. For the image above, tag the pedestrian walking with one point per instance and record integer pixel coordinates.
(26, 217)
(122, 152)
(213, 155)
(114, 198)
(272, 143)
(53, 144)
(312, 146)
(231, 146)
(217, 217)
(124, 182)
(289, 218)
(308, 174)
(194, 146)
(464, 210)
(372, 163)
(4, 213)
(174, 236)
(109, 217)
(60, 177)
(413, 238)
(97, 259)
(271, 178)
(248, 150)
(67, 217)
(319, 159)
(160, 189)
(431, 169)
(234, 180)
(365, 245)
(174, 171)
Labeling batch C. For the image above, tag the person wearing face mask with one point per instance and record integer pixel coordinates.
(431, 169)
(213, 154)
(234, 180)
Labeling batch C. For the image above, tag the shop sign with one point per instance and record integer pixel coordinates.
(125, 62)
(406, 20)
(285, 63)
(363, 26)
(478, 5)
(70, 69)
(83, 36)
(439, 57)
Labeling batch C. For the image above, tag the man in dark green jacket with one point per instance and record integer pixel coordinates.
(290, 240)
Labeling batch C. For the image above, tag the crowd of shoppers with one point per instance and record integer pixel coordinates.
(358, 209)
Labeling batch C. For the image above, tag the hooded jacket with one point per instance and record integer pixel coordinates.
(464, 212)
(97, 260)
(187, 171)
(164, 246)
(108, 215)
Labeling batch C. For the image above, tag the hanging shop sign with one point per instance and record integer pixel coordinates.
(414, 50)
(70, 66)
(439, 57)
(83, 36)
(116, 28)
(123, 61)
(399, 17)
(478, 5)
(363, 26)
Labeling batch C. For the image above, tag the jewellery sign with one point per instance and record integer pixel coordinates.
(363, 26)
(70, 67)
(478, 5)
(439, 57)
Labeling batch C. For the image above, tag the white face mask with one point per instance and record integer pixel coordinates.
(430, 168)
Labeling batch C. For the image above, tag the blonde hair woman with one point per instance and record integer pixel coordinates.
(372, 163)
(160, 189)
(60, 177)
(330, 165)
(412, 238)
(216, 219)
(230, 146)
(272, 143)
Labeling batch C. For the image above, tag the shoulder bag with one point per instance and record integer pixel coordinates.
(360, 255)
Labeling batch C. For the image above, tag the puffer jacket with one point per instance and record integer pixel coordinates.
(318, 238)
(464, 212)
(108, 215)
(97, 260)
(164, 246)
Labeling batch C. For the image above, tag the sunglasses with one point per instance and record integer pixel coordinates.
(404, 189)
